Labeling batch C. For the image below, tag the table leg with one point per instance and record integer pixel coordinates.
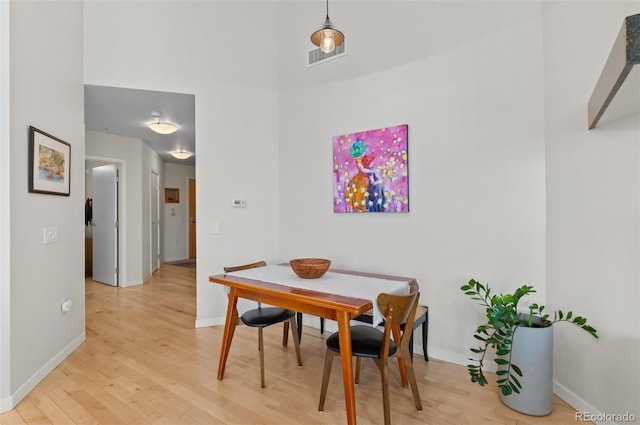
(344, 333)
(229, 328)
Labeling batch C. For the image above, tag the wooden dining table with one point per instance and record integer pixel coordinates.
(263, 287)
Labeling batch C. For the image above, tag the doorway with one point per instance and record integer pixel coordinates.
(112, 113)
(102, 220)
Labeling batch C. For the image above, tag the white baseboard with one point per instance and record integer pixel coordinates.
(133, 283)
(445, 356)
(211, 321)
(586, 412)
(6, 404)
(569, 397)
(15, 398)
(168, 260)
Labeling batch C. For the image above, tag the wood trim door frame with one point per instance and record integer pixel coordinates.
(191, 235)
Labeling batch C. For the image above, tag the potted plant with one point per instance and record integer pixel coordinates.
(523, 344)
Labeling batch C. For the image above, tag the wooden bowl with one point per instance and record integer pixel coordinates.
(310, 268)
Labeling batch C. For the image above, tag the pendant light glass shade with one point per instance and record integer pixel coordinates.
(327, 37)
(181, 154)
(328, 41)
(163, 127)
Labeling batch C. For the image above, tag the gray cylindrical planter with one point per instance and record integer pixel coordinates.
(532, 351)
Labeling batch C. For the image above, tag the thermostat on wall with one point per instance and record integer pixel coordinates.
(239, 203)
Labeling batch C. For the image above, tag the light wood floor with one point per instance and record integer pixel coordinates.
(144, 363)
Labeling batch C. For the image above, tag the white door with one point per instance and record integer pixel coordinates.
(155, 222)
(105, 224)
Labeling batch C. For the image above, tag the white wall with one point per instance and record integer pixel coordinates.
(593, 193)
(44, 51)
(5, 218)
(476, 166)
(176, 216)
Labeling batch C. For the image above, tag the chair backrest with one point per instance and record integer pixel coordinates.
(398, 310)
(245, 266)
(230, 269)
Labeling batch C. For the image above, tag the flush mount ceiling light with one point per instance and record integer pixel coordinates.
(161, 127)
(327, 37)
(181, 154)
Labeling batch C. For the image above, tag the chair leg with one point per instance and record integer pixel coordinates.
(321, 325)
(299, 318)
(403, 370)
(328, 362)
(425, 336)
(261, 349)
(411, 346)
(413, 383)
(285, 334)
(384, 369)
(423, 323)
(296, 341)
(358, 363)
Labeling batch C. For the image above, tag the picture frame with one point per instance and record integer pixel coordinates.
(371, 171)
(171, 195)
(49, 164)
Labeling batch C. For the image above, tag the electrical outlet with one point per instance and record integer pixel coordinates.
(66, 306)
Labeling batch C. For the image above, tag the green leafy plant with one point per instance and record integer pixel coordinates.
(502, 320)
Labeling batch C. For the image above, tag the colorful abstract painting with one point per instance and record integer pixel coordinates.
(370, 171)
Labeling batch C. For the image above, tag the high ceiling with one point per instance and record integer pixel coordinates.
(126, 112)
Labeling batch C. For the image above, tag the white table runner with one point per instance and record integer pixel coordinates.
(348, 285)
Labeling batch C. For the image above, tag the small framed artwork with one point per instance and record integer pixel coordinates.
(371, 171)
(171, 195)
(49, 164)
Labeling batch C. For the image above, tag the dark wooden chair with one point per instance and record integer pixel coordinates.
(262, 317)
(421, 320)
(368, 341)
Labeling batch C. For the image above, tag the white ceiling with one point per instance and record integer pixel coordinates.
(126, 112)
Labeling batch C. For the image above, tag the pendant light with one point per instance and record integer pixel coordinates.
(161, 127)
(181, 154)
(327, 37)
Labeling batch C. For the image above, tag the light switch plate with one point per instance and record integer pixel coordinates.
(50, 235)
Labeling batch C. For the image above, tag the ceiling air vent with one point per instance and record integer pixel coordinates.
(317, 56)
